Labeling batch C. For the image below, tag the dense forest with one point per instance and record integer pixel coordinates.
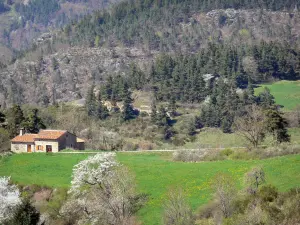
(154, 24)
(209, 54)
(37, 11)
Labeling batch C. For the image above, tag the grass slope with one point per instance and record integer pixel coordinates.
(286, 93)
(53, 170)
(155, 175)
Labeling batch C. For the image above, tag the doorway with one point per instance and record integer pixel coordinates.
(48, 148)
(28, 148)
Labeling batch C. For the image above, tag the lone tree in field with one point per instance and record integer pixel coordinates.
(102, 192)
(176, 209)
(225, 192)
(252, 126)
(254, 178)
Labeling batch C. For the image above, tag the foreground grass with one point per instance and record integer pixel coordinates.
(155, 175)
(52, 170)
(286, 93)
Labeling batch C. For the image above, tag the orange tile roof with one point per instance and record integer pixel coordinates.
(50, 134)
(27, 138)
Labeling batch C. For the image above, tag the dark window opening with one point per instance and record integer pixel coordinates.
(48, 148)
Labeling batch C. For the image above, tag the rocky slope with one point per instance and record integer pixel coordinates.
(65, 74)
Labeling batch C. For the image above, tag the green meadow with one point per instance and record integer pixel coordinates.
(286, 93)
(155, 175)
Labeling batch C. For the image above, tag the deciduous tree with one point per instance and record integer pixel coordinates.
(252, 125)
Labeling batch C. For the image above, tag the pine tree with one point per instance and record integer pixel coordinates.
(90, 102)
(277, 125)
(15, 119)
(162, 118)
(172, 106)
(33, 123)
(266, 99)
(102, 112)
(128, 112)
(191, 127)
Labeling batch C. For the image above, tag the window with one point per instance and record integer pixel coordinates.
(40, 147)
(48, 148)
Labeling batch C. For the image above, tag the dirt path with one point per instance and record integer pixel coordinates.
(158, 150)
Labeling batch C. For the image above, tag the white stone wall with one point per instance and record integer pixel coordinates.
(21, 147)
(54, 145)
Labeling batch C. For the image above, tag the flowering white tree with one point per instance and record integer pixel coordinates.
(92, 171)
(9, 198)
(102, 191)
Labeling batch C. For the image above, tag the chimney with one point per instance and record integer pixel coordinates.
(22, 131)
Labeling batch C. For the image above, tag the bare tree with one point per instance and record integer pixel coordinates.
(251, 126)
(176, 209)
(225, 192)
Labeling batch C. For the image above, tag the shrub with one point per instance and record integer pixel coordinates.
(146, 145)
(188, 155)
(226, 152)
(176, 209)
(25, 214)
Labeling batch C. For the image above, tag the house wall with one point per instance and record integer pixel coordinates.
(80, 145)
(21, 147)
(68, 140)
(54, 144)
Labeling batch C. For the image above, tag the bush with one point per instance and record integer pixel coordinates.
(226, 152)
(25, 214)
(129, 146)
(279, 150)
(188, 155)
(146, 145)
(176, 210)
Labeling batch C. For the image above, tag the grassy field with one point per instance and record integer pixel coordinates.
(41, 169)
(286, 93)
(155, 175)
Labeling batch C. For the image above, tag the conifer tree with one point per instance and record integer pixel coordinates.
(277, 125)
(172, 106)
(266, 99)
(90, 102)
(128, 112)
(33, 123)
(15, 119)
(102, 111)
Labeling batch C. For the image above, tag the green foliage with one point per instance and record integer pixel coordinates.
(154, 173)
(38, 11)
(15, 118)
(33, 123)
(277, 125)
(286, 93)
(265, 98)
(128, 112)
(176, 210)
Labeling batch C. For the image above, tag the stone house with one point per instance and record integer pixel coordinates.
(46, 141)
